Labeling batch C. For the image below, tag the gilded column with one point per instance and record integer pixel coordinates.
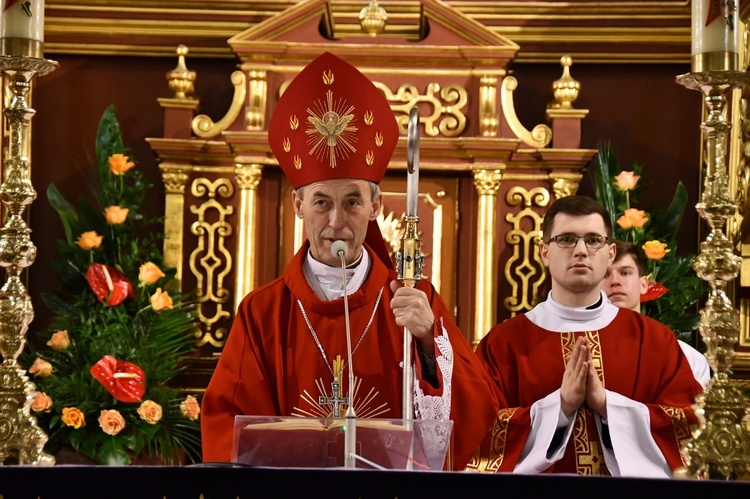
(248, 178)
(255, 112)
(175, 178)
(487, 183)
(488, 117)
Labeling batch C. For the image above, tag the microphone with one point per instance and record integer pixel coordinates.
(339, 249)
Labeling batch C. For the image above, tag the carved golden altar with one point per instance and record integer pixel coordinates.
(486, 178)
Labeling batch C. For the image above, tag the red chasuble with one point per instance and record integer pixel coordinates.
(272, 363)
(634, 356)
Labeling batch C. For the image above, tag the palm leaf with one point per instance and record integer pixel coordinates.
(670, 221)
(607, 169)
(66, 211)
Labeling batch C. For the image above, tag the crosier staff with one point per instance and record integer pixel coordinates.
(409, 257)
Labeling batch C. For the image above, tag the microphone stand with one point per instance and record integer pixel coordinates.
(409, 258)
(350, 427)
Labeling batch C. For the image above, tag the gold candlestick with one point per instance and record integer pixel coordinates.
(21, 440)
(720, 448)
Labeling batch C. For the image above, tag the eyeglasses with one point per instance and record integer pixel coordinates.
(592, 241)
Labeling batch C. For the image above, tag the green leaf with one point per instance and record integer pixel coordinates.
(670, 222)
(112, 453)
(604, 174)
(65, 210)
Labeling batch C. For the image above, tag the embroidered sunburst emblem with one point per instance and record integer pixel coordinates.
(293, 122)
(364, 406)
(286, 144)
(331, 132)
(368, 117)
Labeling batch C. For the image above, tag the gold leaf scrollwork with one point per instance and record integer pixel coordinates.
(540, 136)
(524, 270)
(211, 261)
(447, 103)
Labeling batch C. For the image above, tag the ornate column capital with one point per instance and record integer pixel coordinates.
(487, 182)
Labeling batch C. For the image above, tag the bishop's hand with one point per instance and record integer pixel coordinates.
(412, 310)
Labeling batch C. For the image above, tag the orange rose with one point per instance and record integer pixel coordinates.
(626, 181)
(149, 273)
(111, 422)
(89, 240)
(161, 300)
(72, 416)
(655, 250)
(150, 412)
(59, 341)
(42, 403)
(40, 368)
(190, 408)
(632, 219)
(119, 164)
(114, 215)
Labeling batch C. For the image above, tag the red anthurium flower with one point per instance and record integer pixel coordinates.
(655, 290)
(109, 284)
(124, 380)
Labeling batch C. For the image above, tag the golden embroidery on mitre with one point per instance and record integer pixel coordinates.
(490, 461)
(680, 425)
(365, 406)
(332, 132)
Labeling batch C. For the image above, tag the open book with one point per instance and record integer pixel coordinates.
(293, 442)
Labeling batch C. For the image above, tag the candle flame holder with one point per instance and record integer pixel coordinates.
(720, 447)
(21, 440)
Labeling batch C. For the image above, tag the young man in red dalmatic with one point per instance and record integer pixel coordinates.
(333, 134)
(585, 387)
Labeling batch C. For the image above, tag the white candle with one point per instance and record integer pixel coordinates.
(719, 35)
(23, 19)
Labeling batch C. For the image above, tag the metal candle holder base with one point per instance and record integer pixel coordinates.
(720, 448)
(21, 440)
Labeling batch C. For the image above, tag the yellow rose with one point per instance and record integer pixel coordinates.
(161, 300)
(626, 181)
(149, 273)
(114, 215)
(42, 403)
(59, 341)
(632, 219)
(40, 368)
(190, 408)
(119, 164)
(150, 412)
(655, 250)
(72, 416)
(111, 422)
(89, 240)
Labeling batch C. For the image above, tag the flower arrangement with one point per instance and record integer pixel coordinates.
(118, 332)
(674, 288)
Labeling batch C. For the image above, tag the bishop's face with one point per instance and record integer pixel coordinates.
(577, 272)
(337, 209)
(623, 285)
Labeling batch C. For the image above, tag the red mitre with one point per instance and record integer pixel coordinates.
(332, 123)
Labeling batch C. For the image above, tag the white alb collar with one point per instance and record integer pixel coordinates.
(326, 280)
(554, 316)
